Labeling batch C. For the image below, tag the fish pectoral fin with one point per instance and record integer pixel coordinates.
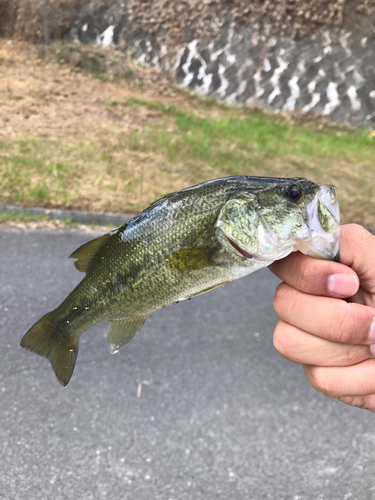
(86, 252)
(121, 331)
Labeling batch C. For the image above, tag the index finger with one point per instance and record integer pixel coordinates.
(316, 277)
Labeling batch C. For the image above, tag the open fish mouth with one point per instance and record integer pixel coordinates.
(324, 212)
(324, 224)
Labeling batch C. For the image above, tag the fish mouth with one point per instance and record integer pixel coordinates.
(324, 224)
(327, 196)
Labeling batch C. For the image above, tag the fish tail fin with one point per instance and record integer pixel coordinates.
(60, 350)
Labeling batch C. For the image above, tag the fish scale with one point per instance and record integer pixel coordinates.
(182, 245)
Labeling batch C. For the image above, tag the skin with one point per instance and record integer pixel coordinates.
(332, 338)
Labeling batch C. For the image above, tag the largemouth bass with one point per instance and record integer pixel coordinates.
(185, 244)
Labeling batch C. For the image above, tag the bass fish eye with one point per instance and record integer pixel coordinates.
(293, 192)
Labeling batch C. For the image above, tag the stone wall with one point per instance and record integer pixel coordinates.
(24, 19)
(332, 73)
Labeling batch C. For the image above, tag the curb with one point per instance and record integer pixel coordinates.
(80, 216)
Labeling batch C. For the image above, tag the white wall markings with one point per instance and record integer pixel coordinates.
(106, 38)
(287, 77)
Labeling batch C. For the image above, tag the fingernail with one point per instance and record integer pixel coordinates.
(372, 349)
(344, 285)
(371, 336)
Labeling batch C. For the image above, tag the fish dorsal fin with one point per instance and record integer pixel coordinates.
(122, 331)
(192, 259)
(86, 252)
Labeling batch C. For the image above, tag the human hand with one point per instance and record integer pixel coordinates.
(332, 338)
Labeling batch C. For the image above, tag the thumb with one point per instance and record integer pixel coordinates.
(357, 251)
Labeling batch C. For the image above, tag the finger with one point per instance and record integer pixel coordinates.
(301, 347)
(357, 250)
(332, 319)
(316, 277)
(365, 402)
(356, 380)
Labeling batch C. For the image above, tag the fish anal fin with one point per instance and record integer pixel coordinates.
(121, 331)
(191, 259)
(86, 252)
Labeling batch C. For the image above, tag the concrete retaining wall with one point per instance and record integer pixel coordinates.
(334, 74)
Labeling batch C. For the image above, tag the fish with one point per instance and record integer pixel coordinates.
(183, 245)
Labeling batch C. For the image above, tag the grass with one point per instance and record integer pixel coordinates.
(6, 218)
(153, 145)
(21, 218)
(107, 168)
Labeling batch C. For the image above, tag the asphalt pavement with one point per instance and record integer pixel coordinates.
(222, 416)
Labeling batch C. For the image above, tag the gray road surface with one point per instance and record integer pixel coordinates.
(223, 417)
